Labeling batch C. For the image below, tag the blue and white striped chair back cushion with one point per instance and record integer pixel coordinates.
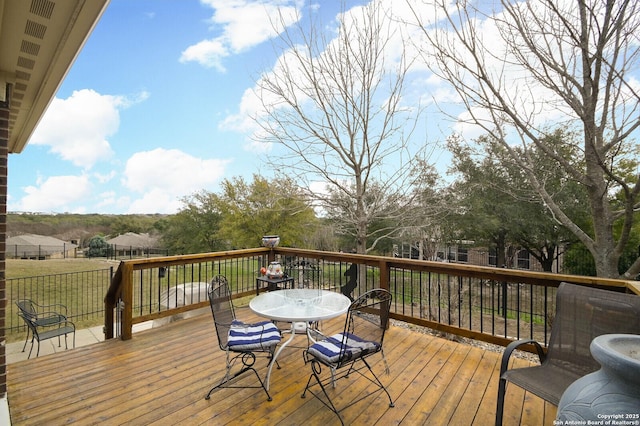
(247, 337)
(328, 350)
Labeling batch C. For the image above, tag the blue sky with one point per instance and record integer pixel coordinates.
(139, 120)
(136, 124)
(157, 105)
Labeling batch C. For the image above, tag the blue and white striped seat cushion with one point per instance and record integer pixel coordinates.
(248, 337)
(328, 350)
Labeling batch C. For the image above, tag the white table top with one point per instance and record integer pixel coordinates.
(300, 305)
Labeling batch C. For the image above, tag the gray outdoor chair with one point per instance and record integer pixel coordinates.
(365, 325)
(45, 322)
(582, 314)
(241, 341)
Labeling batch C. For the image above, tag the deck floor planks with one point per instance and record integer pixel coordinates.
(168, 390)
(407, 368)
(476, 390)
(412, 399)
(161, 376)
(450, 400)
(532, 410)
(550, 413)
(432, 395)
(97, 392)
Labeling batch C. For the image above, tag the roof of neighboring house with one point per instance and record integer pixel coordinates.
(131, 239)
(30, 244)
(39, 40)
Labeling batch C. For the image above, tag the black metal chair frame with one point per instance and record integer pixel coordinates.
(223, 314)
(373, 308)
(45, 322)
(582, 314)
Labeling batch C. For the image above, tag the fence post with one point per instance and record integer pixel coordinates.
(127, 299)
(504, 299)
(385, 273)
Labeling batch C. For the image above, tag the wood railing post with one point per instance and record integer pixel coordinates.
(385, 273)
(108, 320)
(127, 300)
(110, 300)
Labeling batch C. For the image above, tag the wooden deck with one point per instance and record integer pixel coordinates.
(161, 376)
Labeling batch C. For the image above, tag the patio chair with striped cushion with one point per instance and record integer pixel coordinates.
(363, 334)
(241, 341)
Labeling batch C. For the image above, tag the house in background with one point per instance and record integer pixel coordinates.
(39, 41)
(30, 246)
(134, 245)
(468, 252)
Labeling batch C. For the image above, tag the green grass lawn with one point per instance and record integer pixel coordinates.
(18, 268)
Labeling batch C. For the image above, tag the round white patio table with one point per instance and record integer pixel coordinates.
(299, 307)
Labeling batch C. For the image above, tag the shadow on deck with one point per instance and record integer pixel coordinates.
(162, 375)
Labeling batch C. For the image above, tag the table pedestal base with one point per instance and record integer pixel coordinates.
(300, 327)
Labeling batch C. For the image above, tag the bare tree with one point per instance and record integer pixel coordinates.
(535, 66)
(336, 105)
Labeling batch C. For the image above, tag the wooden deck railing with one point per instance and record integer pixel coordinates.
(484, 303)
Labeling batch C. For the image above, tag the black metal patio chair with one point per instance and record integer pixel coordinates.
(45, 322)
(582, 314)
(347, 352)
(241, 341)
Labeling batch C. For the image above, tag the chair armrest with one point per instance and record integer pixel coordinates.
(515, 345)
(69, 323)
(52, 308)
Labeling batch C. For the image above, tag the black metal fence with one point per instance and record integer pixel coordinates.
(499, 308)
(121, 252)
(41, 252)
(455, 299)
(81, 292)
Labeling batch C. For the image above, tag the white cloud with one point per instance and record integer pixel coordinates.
(244, 24)
(56, 193)
(78, 128)
(208, 53)
(164, 176)
(104, 178)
